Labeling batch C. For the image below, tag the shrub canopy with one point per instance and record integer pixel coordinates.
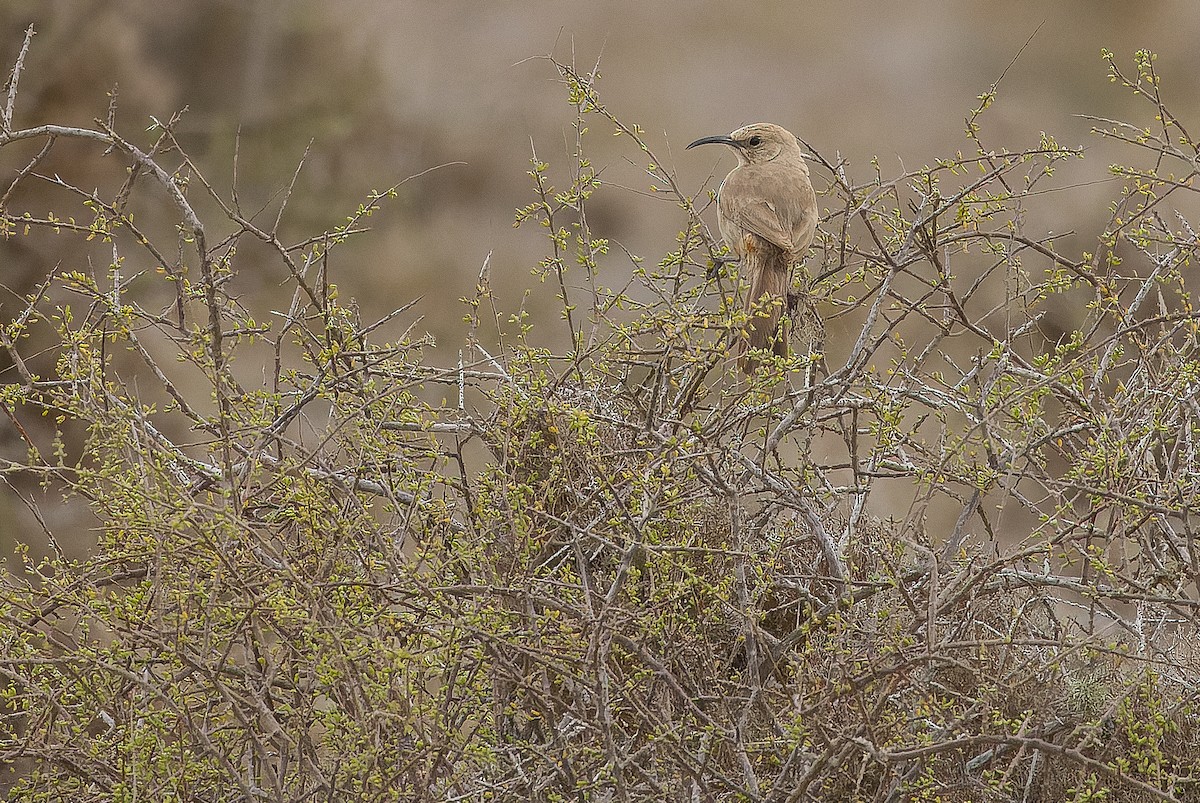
(943, 551)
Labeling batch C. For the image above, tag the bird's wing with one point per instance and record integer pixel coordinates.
(750, 200)
(761, 217)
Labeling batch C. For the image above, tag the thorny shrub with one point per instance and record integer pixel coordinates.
(623, 571)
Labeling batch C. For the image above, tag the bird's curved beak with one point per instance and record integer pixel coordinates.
(724, 139)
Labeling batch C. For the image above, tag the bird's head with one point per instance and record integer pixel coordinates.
(757, 143)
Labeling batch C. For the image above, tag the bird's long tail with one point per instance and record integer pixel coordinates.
(768, 269)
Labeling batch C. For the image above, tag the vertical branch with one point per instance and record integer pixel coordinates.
(14, 78)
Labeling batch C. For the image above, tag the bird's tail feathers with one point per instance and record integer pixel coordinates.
(769, 272)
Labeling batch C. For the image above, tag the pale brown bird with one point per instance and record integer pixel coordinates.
(767, 213)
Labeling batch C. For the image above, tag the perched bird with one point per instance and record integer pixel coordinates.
(767, 213)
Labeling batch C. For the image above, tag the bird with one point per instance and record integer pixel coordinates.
(767, 215)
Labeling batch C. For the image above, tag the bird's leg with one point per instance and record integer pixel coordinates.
(718, 263)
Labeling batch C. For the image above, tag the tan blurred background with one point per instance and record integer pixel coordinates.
(387, 89)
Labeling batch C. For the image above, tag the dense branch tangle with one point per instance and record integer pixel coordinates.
(943, 549)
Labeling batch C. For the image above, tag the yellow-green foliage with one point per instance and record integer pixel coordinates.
(938, 553)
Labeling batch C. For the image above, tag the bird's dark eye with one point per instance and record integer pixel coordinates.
(754, 142)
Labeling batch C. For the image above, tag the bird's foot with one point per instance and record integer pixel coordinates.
(718, 263)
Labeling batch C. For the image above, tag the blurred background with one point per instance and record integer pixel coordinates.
(384, 90)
